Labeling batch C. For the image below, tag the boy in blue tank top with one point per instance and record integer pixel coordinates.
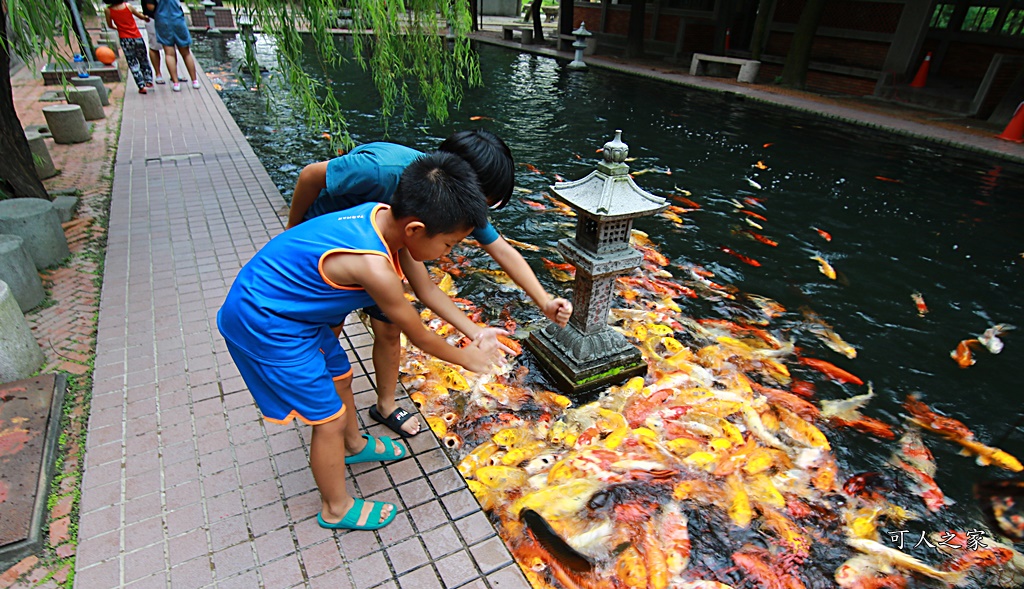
(370, 173)
(277, 317)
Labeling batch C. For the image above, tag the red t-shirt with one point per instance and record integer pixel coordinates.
(124, 20)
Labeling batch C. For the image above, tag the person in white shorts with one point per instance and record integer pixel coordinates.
(155, 47)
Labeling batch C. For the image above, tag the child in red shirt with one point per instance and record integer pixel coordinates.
(121, 16)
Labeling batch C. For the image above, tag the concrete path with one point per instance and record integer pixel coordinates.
(184, 485)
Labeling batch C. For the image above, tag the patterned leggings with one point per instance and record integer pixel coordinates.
(137, 57)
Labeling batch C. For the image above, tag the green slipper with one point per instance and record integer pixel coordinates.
(351, 519)
(392, 451)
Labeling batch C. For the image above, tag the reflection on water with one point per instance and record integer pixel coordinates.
(904, 217)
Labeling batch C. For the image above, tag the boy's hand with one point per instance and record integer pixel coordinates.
(483, 355)
(558, 310)
(490, 334)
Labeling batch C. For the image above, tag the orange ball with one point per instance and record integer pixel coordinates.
(105, 55)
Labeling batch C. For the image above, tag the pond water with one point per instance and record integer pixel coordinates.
(903, 216)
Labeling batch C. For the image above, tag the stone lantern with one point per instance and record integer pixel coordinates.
(588, 354)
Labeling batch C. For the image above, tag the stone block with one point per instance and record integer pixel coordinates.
(67, 123)
(89, 99)
(20, 355)
(19, 272)
(40, 155)
(36, 221)
(97, 83)
(66, 207)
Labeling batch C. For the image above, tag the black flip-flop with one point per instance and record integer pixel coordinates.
(394, 421)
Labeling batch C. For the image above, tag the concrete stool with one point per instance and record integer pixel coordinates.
(40, 155)
(19, 272)
(20, 355)
(65, 206)
(67, 123)
(36, 221)
(97, 83)
(89, 99)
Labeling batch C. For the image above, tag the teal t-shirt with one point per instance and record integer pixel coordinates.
(370, 173)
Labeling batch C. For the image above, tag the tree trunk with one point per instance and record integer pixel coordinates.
(538, 32)
(794, 72)
(635, 38)
(764, 10)
(18, 174)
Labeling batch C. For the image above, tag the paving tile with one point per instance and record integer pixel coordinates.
(456, 569)
(142, 563)
(491, 555)
(421, 578)
(274, 545)
(284, 572)
(370, 571)
(191, 574)
(408, 555)
(509, 577)
(335, 579)
(185, 547)
(321, 558)
(441, 541)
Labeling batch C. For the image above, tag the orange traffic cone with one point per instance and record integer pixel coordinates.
(1015, 130)
(922, 73)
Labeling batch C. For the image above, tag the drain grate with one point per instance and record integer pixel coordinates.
(174, 158)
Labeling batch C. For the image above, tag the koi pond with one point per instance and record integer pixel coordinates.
(827, 313)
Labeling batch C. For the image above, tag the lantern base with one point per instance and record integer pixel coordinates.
(581, 363)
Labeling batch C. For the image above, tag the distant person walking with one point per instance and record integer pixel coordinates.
(172, 33)
(121, 16)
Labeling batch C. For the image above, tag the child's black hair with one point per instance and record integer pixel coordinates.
(490, 158)
(113, 2)
(443, 192)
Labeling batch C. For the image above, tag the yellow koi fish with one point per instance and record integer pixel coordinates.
(824, 267)
(558, 501)
(904, 561)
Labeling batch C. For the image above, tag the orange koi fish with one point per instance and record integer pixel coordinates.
(745, 259)
(511, 344)
(754, 215)
(962, 354)
(566, 267)
(559, 178)
(686, 201)
(867, 425)
(761, 238)
(480, 118)
(752, 201)
(523, 245)
(760, 165)
(534, 205)
(831, 370)
(884, 179)
(925, 486)
(767, 145)
(919, 303)
(802, 388)
(532, 168)
(824, 234)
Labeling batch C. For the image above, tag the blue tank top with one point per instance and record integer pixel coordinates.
(280, 300)
(370, 173)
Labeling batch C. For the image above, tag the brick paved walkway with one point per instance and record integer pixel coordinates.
(184, 484)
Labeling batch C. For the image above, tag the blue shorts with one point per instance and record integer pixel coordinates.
(172, 33)
(304, 390)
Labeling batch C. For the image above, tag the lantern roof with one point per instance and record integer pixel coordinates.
(609, 193)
